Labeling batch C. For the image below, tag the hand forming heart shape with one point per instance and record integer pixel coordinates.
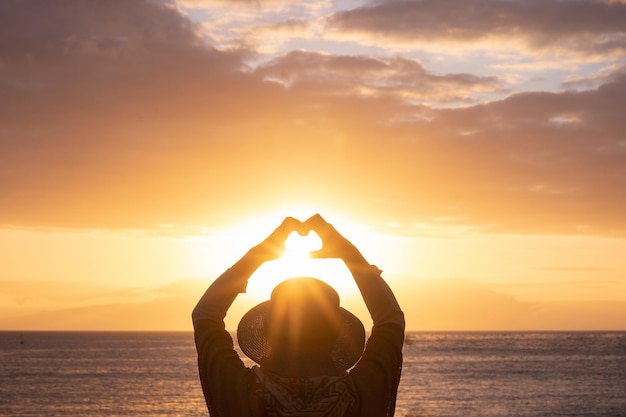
(333, 244)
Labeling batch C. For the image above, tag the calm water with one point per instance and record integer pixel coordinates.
(445, 374)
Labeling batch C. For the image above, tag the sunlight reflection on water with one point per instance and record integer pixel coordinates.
(444, 374)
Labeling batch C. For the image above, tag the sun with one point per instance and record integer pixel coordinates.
(295, 262)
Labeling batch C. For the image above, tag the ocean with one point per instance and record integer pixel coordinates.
(483, 374)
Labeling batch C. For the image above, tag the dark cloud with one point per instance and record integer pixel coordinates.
(116, 114)
(591, 26)
(236, 3)
(363, 75)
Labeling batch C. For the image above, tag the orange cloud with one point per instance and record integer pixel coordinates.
(117, 115)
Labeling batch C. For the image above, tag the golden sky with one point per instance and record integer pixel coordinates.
(474, 150)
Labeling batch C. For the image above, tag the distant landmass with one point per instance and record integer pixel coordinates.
(429, 304)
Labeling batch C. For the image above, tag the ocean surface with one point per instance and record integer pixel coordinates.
(444, 374)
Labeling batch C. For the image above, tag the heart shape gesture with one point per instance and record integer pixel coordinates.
(333, 244)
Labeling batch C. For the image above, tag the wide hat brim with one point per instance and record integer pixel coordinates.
(346, 351)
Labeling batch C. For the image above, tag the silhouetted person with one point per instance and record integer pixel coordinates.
(306, 345)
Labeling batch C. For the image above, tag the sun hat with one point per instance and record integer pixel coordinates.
(302, 313)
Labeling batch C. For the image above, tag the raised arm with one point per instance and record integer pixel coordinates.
(222, 373)
(221, 294)
(377, 374)
(378, 297)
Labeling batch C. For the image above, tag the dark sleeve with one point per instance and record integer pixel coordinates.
(223, 375)
(377, 374)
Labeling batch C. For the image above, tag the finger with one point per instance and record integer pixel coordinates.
(317, 224)
(289, 225)
(316, 218)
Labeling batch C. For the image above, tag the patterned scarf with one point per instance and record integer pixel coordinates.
(324, 396)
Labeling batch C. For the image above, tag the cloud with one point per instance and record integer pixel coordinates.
(576, 26)
(557, 155)
(116, 115)
(364, 75)
(95, 95)
(193, 4)
(291, 25)
(574, 269)
(609, 74)
(275, 34)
